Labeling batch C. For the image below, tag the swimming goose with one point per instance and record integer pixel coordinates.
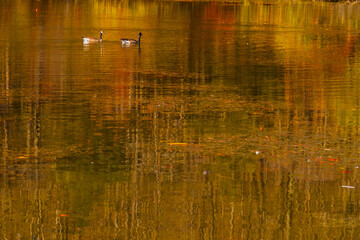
(131, 41)
(90, 39)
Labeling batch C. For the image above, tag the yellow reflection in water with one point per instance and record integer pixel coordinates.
(230, 121)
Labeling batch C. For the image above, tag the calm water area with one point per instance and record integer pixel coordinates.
(231, 120)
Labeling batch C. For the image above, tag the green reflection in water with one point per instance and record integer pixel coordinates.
(230, 121)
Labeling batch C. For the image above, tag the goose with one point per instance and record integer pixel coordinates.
(90, 39)
(131, 41)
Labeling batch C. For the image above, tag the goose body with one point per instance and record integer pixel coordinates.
(126, 41)
(90, 39)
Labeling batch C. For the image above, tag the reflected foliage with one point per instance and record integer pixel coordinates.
(230, 121)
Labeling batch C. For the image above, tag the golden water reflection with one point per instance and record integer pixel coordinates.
(230, 121)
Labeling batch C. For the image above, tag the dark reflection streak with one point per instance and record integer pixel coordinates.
(250, 207)
(7, 78)
(213, 213)
(307, 201)
(259, 207)
(242, 196)
(36, 131)
(262, 196)
(283, 202)
(65, 231)
(231, 220)
(7, 83)
(101, 49)
(289, 207)
(357, 113)
(28, 138)
(158, 194)
(6, 190)
(5, 146)
(202, 227)
(36, 113)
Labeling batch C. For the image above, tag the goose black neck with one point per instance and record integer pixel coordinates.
(101, 36)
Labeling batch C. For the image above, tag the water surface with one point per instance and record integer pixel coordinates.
(229, 121)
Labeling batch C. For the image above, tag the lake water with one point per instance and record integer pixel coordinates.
(228, 121)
